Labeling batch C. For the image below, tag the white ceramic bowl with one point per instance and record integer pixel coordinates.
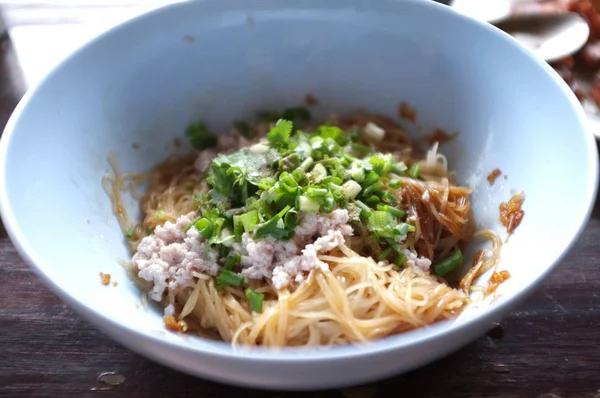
(146, 80)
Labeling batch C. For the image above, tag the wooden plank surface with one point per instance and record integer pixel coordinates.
(548, 347)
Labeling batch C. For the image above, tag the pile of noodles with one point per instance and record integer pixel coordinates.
(357, 299)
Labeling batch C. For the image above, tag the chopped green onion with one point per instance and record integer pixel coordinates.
(374, 131)
(449, 264)
(131, 232)
(395, 184)
(290, 162)
(288, 183)
(238, 228)
(399, 168)
(400, 259)
(299, 175)
(384, 254)
(255, 300)
(382, 164)
(161, 214)
(351, 189)
(227, 277)
(414, 170)
(365, 210)
(308, 204)
(290, 220)
(316, 192)
(232, 261)
(332, 180)
(200, 137)
(249, 220)
(381, 223)
(360, 149)
(318, 173)
(223, 251)
(271, 227)
(329, 204)
(148, 231)
(373, 200)
(373, 188)
(403, 228)
(355, 134)
(191, 224)
(392, 210)
(306, 163)
(205, 227)
(357, 173)
(388, 197)
(243, 128)
(370, 178)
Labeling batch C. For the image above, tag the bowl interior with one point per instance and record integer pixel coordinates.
(146, 81)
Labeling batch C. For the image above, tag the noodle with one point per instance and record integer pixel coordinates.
(357, 299)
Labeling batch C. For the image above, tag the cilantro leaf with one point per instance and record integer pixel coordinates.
(279, 135)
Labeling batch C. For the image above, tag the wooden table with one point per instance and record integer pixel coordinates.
(549, 347)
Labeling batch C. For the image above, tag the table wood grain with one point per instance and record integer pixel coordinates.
(547, 348)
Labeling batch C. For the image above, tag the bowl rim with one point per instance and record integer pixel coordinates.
(224, 350)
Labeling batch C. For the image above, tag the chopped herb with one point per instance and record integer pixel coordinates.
(161, 214)
(394, 211)
(308, 204)
(400, 259)
(279, 135)
(238, 228)
(449, 264)
(385, 254)
(131, 232)
(232, 261)
(205, 227)
(414, 170)
(373, 188)
(255, 300)
(273, 227)
(227, 277)
(395, 184)
(399, 168)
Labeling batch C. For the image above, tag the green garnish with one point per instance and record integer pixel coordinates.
(131, 232)
(249, 220)
(232, 261)
(255, 300)
(279, 135)
(205, 227)
(395, 184)
(414, 170)
(449, 264)
(400, 259)
(160, 214)
(274, 227)
(228, 278)
(200, 137)
(394, 211)
(265, 189)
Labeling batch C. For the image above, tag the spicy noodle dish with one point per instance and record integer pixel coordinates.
(289, 233)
